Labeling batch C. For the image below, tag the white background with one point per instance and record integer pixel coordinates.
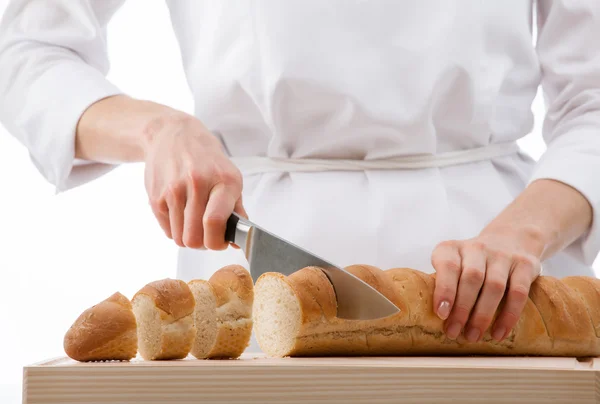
(60, 254)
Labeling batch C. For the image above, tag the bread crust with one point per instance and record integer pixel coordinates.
(174, 327)
(172, 296)
(318, 303)
(561, 318)
(588, 290)
(565, 316)
(233, 291)
(233, 281)
(105, 331)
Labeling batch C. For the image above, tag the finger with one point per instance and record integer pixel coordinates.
(193, 229)
(471, 279)
(176, 202)
(161, 212)
(494, 286)
(447, 264)
(218, 209)
(519, 284)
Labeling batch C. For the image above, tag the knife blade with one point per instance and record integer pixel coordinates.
(266, 252)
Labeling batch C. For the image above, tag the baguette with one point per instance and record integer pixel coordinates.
(296, 316)
(165, 324)
(105, 331)
(222, 313)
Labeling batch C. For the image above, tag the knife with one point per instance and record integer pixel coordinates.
(266, 252)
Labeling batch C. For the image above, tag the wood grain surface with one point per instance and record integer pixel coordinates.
(256, 379)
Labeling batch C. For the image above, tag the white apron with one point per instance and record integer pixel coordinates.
(367, 132)
(357, 211)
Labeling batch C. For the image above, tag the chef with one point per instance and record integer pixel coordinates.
(376, 132)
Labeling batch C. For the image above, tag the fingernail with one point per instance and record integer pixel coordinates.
(499, 333)
(444, 310)
(472, 335)
(453, 330)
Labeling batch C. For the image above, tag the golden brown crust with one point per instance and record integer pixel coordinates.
(316, 295)
(103, 332)
(588, 289)
(231, 341)
(393, 332)
(564, 314)
(119, 300)
(560, 318)
(172, 296)
(232, 279)
(404, 294)
(529, 336)
(233, 291)
(423, 301)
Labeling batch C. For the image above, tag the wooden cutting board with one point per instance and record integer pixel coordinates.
(257, 379)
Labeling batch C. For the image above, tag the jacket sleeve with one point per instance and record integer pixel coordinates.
(53, 65)
(568, 48)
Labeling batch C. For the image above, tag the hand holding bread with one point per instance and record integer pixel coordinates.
(296, 316)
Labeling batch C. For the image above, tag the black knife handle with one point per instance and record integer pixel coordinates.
(231, 227)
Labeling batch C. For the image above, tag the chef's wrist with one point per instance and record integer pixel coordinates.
(545, 218)
(176, 123)
(114, 129)
(159, 121)
(532, 239)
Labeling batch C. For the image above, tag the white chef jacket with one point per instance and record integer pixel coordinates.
(336, 79)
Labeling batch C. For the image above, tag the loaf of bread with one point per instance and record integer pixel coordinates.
(165, 324)
(296, 316)
(105, 331)
(223, 313)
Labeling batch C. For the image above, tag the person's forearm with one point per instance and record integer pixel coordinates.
(117, 129)
(546, 217)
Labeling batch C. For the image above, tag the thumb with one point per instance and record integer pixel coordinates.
(220, 204)
(239, 208)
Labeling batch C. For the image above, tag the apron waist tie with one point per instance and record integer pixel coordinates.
(258, 165)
